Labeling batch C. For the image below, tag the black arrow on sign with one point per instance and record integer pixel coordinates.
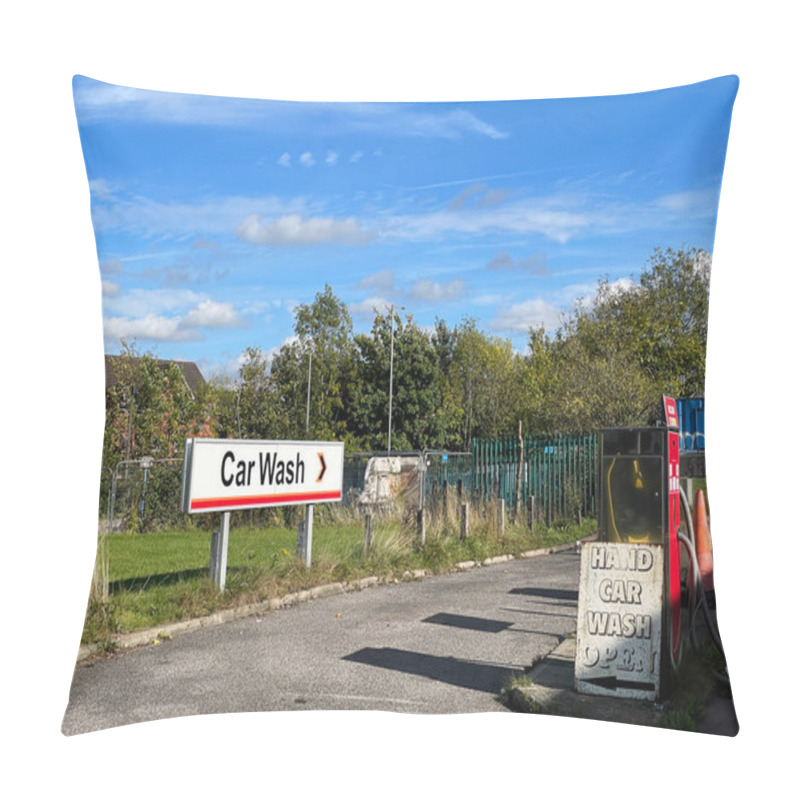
(324, 467)
(613, 683)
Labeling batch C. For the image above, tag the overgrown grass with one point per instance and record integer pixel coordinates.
(157, 578)
(695, 684)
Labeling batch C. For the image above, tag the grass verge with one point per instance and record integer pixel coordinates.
(158, 578)
(695, 686)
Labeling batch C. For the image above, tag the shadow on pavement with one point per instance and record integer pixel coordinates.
(466, 674)
(470, 623)
(568, 595)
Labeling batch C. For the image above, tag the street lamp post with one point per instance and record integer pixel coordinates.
(308, 396)
(391, 374)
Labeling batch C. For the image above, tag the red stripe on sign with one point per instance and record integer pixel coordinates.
(264, 500)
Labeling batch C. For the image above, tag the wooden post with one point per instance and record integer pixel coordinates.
(369, 532)
(531, 513)
(501, 517)
(464, 520)
(518, 495)
(445, 501)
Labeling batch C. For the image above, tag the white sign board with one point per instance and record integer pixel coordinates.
(619, 620)
(237, 474)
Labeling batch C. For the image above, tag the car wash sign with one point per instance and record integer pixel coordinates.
(237, 474)
(619, 620)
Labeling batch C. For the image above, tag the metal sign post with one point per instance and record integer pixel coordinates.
(218, 563)
(305, 533)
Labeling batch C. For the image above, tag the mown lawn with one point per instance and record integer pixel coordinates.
(156, 578)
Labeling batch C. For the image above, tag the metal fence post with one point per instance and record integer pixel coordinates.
(369, 532)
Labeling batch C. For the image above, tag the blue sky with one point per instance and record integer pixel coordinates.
(215, 217)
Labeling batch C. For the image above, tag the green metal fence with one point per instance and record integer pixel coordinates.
(559, 471)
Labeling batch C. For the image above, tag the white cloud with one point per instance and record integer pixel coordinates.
(152, 327)
(256, 307)
(383, 281)
(110, 289)
(227, 370)
(519, 317)
(143, 216)
(493, 197)
(415, 120)
(209, 314)
(139, 319)
(294, 230)
(469, 122)
(535, 264)
(559, 217)
(101, 189)
(143, 302)
(331, 158)
(368, 307)
(688, 202)
(111, 266)
(620, 286)
(433, 292)
(96, 101)
(460, 200)
(285, 160)
(547, 216)
(273, 351)
(487, 299)
(357, 156)
(307, 160)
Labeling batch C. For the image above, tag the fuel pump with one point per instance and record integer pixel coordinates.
(631, 620)
(640, 504)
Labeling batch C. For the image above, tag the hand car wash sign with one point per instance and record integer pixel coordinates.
(231, 475)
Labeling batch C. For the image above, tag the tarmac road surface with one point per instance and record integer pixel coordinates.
(442, 644)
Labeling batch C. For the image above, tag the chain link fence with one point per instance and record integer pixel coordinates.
(144, 495)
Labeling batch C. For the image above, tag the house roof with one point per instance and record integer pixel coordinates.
(191, 374)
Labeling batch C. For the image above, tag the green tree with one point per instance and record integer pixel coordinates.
(484, 382)
(611, 360)
(536, 376)
(258, 412)
(150, 412)
(663, 320)
(416, 419)
(324, 330)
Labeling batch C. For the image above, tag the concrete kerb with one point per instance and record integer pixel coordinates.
(152, 636)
